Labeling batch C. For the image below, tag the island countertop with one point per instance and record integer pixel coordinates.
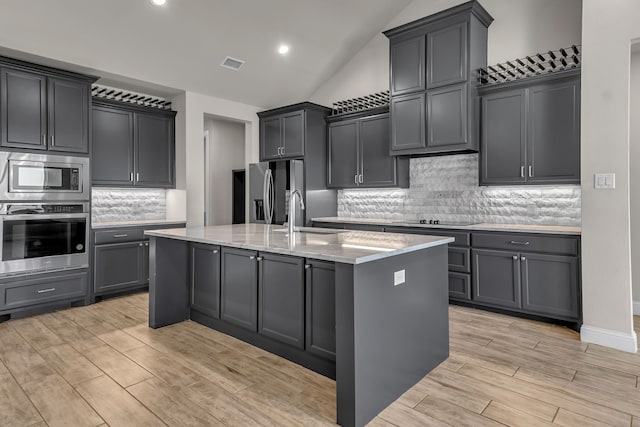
(344, 246)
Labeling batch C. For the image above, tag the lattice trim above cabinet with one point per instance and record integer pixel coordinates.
(533, 65)
(367, 102)
(134, 98)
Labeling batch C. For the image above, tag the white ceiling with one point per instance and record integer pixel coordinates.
(137, 46)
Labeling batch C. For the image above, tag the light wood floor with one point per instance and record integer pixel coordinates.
(101, 365)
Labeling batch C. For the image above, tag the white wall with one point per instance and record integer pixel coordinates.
(634, 164)
(607, 30)
(521, 27)
(226, 153)
(194, 108)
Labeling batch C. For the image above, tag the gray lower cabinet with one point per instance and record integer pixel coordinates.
(531, 131)
(496, 278)
(205, 279)
(459, 286)
(16, 293)
(239, 288)
(281, 298)
(119, 266)
(320, 308)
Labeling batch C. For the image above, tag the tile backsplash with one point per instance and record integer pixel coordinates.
(123, 204)
(446, 188)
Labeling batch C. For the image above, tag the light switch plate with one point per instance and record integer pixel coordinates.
(605, 181)
(398, 278)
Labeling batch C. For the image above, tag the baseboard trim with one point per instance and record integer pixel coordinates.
(609, 338)
(636, 308)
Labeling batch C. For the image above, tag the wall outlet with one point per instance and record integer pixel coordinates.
(398, 278)
(605, 181)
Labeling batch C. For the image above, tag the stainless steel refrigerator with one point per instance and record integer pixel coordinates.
(270, 184)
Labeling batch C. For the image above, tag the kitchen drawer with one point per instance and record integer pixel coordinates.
(43, 289)
(521, 242)
(459, 259)
(459, 286)
(119, 235)
(462, 237)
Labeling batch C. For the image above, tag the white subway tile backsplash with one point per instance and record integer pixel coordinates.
(446, 188)
(123, 204)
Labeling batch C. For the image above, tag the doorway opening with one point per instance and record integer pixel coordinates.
(634, 178)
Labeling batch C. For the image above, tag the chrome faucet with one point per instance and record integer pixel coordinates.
(292, 209)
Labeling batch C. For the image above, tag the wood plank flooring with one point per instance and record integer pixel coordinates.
(101, 365)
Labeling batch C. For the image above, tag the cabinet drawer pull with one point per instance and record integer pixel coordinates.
(120, 235)
(44, 291)
(515, 242)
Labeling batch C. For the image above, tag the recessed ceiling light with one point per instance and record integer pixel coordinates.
(283, 49)
(159, 2)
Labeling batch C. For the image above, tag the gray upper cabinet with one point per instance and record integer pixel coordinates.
(285, 132)
(437, 112)
(112, 147)
(281, 298)
(531, 131)
(43, 108)
(502, 159)
(154, 155)
(359, 153)
(447, 56)
(132, 146)
(239, 288)
(205, 279)
(407, 66)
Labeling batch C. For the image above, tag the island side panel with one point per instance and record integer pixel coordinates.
(388, 337)
(168, 281)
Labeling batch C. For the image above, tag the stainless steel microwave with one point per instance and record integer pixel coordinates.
(34, 177)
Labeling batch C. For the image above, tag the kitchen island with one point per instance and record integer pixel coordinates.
(368, 309)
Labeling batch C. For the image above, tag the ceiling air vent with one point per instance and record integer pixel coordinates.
(232, 63)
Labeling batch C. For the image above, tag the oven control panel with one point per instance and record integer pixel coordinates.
(42, 209)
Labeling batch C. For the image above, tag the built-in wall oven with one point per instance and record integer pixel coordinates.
(31, 177)
(40, 237)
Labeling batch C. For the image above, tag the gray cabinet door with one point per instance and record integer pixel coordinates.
(503, 139)
(239, 288)
(293, 134)
(320, 309)
(154, 150)
(550, 285)
(118, 266)
(496, 278)
(459, 286)
(343, 154)
(553, 144)
(447, 120)
(447, 56)
(205, 279)
(23, 108)
(112, 147)
(407, 122)
(270, 138)
(407, 67)
(68, 106)
(377, 167)
(281, 298)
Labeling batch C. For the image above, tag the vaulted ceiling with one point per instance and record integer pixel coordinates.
(138, 46)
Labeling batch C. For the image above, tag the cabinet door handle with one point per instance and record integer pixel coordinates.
(44, 291)
(515, 257)
(251, 257)
(53, 141)
(307, 266)
(131, 177)
(530, 171)
(120, 235)
(259, 259)
(137, 176)
(515, 242)
(360, 179)
(215, 251)
(140, 244)
(146, 244)
(44, 139)
(523, 258)
(355, 178)
(521, 171)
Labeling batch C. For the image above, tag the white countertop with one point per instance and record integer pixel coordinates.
(518, 228)
(345, 246)
(137, 223)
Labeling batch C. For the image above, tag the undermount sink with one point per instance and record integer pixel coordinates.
(309, 230)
